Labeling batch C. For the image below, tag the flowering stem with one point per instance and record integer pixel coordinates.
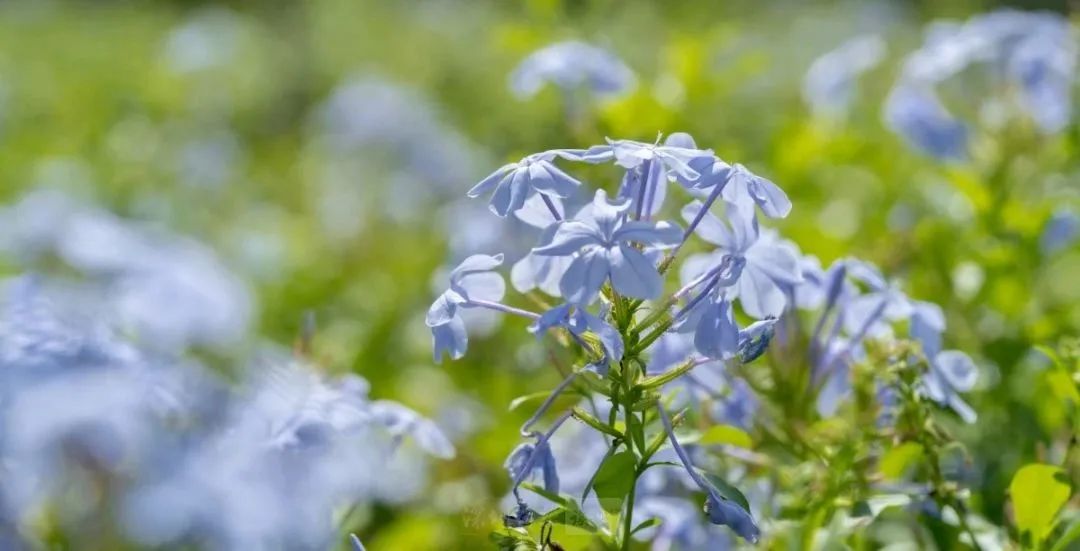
(713, 195)
(541, 439)
(551, 207)
(499, 307)
(547, 403)
(685, 459)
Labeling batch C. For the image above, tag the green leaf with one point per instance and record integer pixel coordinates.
(521, 400)
(614, 479)
(570, 515)
(584, 417)
(554, 498)
(647, 524)
(726, 434)
(896, 461)
(636, 430)
(727, 490)
(1038, 493)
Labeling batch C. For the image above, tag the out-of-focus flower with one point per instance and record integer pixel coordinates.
(917, 114)
(1060, 231)
(951, 371)
(830, 83)
(571, 66)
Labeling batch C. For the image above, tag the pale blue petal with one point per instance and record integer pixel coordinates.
(488, 184)
(450, 338)
(716, 335)
(957, 369)
(487, 286)
(609, 336)
(653, 234)
(443, 309)
(548, 178)
(758, 295)
(570, 237)
(633, 275)
(583, 279)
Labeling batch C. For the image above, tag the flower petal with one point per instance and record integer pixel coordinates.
(633, 275)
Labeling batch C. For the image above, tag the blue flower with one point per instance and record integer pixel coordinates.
(718, 509)
(755, 339)
(746, 189)
(602, 242)
(401, 421)
(577, 320)
(951, 371)
(629, 154)
(771, 266)
(914, 112)
(533, 459)
(513, 183)
(572, 65)
(883, 302)
(829, 85)
(1060, 231)
(471, 279)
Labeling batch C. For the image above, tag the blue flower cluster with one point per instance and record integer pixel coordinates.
(613, 255)
(100, 389)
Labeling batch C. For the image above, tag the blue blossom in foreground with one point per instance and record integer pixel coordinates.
(572, 65)
(577, 320)
(719, 509)
(472, 278)
(512, 184)
(918, 116)
(648, 168)
(770, 266)
(829, 84)
(531, 459)
(746, 189)
(602, 243)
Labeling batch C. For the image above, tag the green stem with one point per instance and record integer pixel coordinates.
(628, 519)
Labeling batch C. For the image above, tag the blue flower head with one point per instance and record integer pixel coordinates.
(951, 371)
(512, 184)
(570, 66)
(533, 459)
(727, 513)
(602, 243)
(470, 279)
(771, 266)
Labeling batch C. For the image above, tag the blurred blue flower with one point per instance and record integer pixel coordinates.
(570, 66)
(830, 82)
(951, 371)
(472, 278)
(914, 112)
(602, 245)
(1060, 231)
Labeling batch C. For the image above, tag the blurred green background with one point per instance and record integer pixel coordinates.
(212, 119)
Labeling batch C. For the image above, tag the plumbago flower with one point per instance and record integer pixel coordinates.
(642, 349)
(1029, 56)
(570, 66)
